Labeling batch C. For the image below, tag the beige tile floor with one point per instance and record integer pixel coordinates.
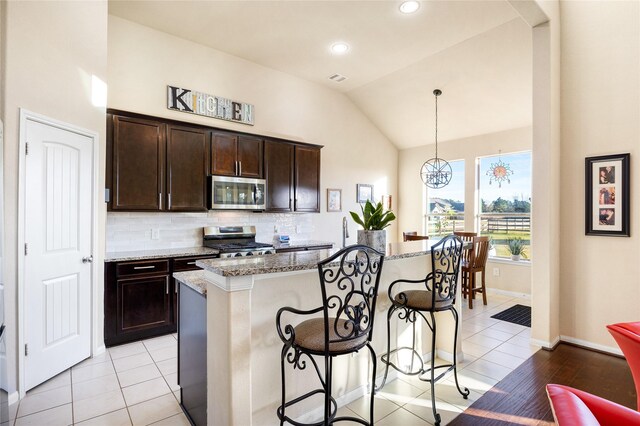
(136, 383)
(130, 384)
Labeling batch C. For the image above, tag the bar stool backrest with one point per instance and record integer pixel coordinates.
(445, 266)
(480, 252)
(349, 282)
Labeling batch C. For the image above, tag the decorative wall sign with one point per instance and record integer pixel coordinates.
(607, 195)
(334, 200)
(187, 100)
(364, 192)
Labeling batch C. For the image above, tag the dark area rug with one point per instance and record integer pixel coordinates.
(518, 314)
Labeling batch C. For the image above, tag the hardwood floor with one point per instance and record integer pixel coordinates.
(520, 398)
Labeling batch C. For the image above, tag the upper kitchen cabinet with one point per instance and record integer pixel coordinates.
(307, 179)
(137, 163)
(187, 168)
(278, 163)
(293, 177)
(233, 155)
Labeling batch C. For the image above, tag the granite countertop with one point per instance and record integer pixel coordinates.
(193, 279)
(158, 254)
(303, 260)
(301, 244)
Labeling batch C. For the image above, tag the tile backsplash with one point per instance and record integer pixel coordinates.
(134, 231)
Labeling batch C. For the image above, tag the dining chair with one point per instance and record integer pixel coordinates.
(477, 262)
(349, 283)
(436, 293)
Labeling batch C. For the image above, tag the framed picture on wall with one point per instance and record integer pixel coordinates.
(607, 195)
(334, 200)
(364, 193)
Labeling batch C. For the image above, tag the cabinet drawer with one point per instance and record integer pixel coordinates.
(142, 267)
(188, 263)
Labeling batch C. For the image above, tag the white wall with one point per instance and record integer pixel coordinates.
(600, 276)
(512, 278)
(50, 51)
(143, 61)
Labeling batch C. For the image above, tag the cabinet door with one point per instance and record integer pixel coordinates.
(143, 304)
(278, 161)
(223, 154)
(138, 148)
(250, 157)
(307, 179)
(187, 166)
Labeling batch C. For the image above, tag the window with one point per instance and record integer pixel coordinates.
(505, 210)
(445, 206)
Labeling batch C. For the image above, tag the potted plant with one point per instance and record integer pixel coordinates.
(373, 221)
(516, 248)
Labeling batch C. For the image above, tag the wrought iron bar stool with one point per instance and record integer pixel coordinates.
(349, 283)
(438, 295)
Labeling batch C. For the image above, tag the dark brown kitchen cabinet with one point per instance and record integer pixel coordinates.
(293, 177)
(154, 166)
(137, 164)
(307, 179)
(233, 155)
(141, 298)
(187, 167)
(278, 163)
(138, 300)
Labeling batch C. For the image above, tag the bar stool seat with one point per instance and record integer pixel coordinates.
(309, 335)
(421, 300)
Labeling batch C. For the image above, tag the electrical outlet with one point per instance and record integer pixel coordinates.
(298, 229)
(155, 234)
(275, 229)
(496, 272)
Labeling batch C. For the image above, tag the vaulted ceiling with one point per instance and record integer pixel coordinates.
(477, 52)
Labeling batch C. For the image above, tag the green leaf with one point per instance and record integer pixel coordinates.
(356, 218)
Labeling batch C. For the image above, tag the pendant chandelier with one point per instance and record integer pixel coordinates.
(499, 171)
(436, 172)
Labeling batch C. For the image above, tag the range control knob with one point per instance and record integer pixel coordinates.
(237, 255)
(269, 252)
(249, 254)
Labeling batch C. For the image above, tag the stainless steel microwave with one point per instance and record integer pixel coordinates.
(234, 193)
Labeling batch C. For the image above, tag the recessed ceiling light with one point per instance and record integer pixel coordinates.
(409, 6)
(340, 48)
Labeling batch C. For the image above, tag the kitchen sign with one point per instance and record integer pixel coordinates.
(187, 100)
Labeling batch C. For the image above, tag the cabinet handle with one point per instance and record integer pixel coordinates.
(239, 168)
(191, 263)
(167, 287)
(159, 199)
(236, 168)
(143, 267)
(175, 287)
(169, 202)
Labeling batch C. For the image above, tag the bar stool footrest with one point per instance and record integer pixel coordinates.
(449, 367)
(301, 398)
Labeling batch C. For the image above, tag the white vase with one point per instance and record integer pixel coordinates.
(377, 240)
(515, 257)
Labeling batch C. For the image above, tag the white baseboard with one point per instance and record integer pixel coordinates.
(13, 397)
(508, 293)
(545, 343)
(602, 348)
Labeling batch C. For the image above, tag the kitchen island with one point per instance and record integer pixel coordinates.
(243, 348)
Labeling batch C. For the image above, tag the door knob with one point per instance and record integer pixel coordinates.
(88, 259)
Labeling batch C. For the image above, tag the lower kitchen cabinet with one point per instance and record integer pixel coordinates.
(141, 299)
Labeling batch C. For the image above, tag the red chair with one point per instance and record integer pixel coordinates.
(572, 407)
(627, 336)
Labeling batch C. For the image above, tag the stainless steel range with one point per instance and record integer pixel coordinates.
(235, 241)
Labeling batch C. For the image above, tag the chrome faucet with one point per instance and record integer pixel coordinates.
(345, 232)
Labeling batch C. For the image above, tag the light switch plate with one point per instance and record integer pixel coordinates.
(496, 272)
(155, 234)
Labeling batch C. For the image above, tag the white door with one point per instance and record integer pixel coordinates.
(58, 235)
